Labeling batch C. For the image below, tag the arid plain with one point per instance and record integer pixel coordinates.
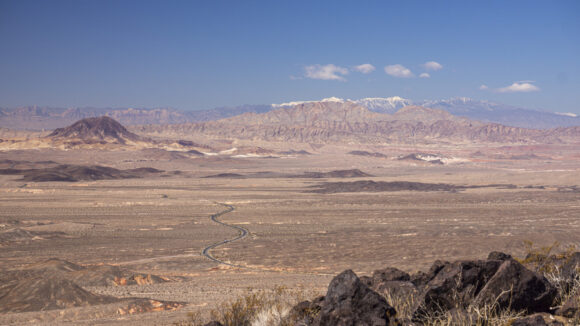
(299, 235)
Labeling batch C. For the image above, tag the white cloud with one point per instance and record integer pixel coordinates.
(326, 72)
(524, 86)
(432, 65)
(483, 87)
(398, 71)
(424, 75)
(365, 68)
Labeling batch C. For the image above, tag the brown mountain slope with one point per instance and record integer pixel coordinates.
(96, 133)
(349, 122)
(96, 130)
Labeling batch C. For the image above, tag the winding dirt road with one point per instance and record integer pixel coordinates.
(242, 234)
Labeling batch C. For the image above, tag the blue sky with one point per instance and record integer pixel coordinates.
(204, 54)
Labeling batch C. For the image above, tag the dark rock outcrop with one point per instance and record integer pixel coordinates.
(421, 279)
(456, 289)
(303, 313)
(448, 287)
(516, 287)
(497, 255)
(350, 302)
(394, 282)
(454, 286)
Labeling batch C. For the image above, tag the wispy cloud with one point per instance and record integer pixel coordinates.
(365, 68)
(325, 72)
(424, 75)
(523, 86)
(432, 65)
(483, 87)
(398, 71)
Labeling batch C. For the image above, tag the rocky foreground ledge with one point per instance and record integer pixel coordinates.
(497, 291)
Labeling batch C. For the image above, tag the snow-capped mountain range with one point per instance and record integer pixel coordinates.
(465, 107)
(376, 104)
(38, 118)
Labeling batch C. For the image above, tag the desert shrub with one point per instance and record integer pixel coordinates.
(567, 288)
(193, 319)
(545, 259)
(548, 261)
(259, 308)
(403, 304)
(461, 315)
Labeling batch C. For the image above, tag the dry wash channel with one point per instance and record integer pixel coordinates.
(242, 234)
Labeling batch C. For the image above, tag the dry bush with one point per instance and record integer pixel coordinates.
(260, 308)
(462, 314)
(546, 261)
(193, 319)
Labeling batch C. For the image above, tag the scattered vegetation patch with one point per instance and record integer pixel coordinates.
(257, 308)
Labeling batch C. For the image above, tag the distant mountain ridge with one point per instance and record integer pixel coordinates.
(485, 111)
(39, 118)
(347, 121)
(505, 114)
(45, 118)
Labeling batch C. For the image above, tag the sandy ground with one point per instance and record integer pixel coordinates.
(297, 239)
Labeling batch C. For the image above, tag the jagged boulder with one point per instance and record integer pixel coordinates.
(454, 286)
(516, 287)
(500, 281)
(498, 255)
(349, 302)
(392, 281)
(421, 279)
(390, 274)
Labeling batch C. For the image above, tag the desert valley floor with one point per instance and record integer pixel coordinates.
(299, 236)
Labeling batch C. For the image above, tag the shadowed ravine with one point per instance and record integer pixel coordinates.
(242, 234)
